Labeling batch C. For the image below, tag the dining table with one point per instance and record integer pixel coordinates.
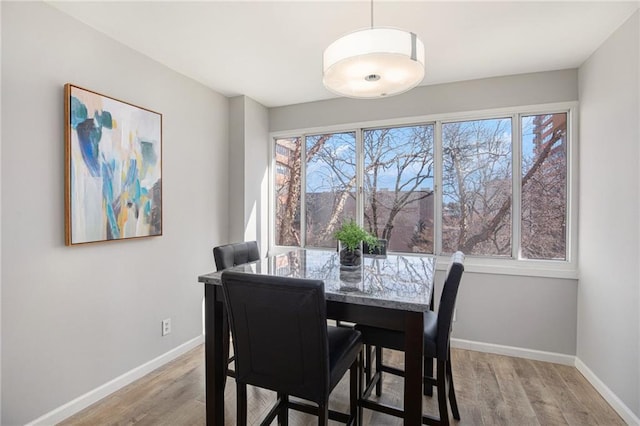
(391, 291)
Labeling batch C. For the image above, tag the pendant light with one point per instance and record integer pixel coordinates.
(373, 63)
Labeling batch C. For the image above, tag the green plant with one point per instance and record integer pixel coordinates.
(350, 234)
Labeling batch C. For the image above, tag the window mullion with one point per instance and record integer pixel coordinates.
(303, 190)
(437, 200)
(572, 173)
(516, 197)
(359, 177)
(271, 194)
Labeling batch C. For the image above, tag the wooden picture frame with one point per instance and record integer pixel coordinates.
(113, 168)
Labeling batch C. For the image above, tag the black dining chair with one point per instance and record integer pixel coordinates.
(437, 331)
(227, 256)
(234, 254)
(282, 342)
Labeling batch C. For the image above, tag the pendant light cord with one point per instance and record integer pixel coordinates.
(371, 14)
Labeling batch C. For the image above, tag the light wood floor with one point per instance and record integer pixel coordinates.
(491, 390)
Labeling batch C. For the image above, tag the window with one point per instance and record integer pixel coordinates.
(476, 187)
(398, 187)
(544, 186)
(330, 192)
(287, 181)
(493, 186)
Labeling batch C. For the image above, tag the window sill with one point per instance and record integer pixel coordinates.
(527, 268)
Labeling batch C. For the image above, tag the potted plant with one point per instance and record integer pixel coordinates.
(350, 237)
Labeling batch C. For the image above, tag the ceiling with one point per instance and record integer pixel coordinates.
(272, 51)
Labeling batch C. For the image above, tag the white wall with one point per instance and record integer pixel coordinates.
(473, 95)
(74, 318)
(533, 313)
(0, 225)
(256, 162)
(524, 312)
(237, 223)
(608, 293)
(249, 163)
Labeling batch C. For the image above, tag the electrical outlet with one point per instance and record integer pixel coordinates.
(166, 326)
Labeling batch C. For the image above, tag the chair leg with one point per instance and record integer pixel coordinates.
(441, 381)
(379, 370)
(323, 414)
(225, 343)
(367, 366)
(427, 366)
(241, 401)
(452, 392)
(353, 388)
(283, 414)
(361, 384)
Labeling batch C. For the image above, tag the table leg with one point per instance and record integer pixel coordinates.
(414, 336)
(214, 357)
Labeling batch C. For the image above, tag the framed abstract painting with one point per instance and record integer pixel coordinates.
(113, 169)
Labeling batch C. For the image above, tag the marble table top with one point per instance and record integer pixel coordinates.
(391, 281)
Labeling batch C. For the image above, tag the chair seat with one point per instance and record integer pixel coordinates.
(344, 345)
(395, 339)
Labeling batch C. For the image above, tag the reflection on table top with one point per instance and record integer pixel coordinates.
(392, 281)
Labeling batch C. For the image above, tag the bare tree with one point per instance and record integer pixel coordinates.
(288, 193)
(544, 188)
(331, 181)
(398, 166)
(477, 186)
(398, 163)
(289, 188)
(398, 180)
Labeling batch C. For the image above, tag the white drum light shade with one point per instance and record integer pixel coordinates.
(373, 63)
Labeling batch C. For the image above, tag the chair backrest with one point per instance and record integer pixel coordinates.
(235, 254)
(448, 304)
(279, 328)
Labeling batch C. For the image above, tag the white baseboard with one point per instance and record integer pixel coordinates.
(514, 351)
(621, 408)
(616, 403)
(83, 401)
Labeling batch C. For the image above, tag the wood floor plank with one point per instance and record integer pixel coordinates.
(467, 393)
(464, 376)
(491, 390)
(493, 409)
(543, 404)
(573, 410)
(582, 390)
(517, 406)
(470, 415)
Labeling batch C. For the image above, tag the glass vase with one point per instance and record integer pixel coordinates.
(349, 258)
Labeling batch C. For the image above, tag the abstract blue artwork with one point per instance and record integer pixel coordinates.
(113, 173)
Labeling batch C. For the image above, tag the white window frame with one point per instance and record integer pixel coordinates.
(516, 266)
